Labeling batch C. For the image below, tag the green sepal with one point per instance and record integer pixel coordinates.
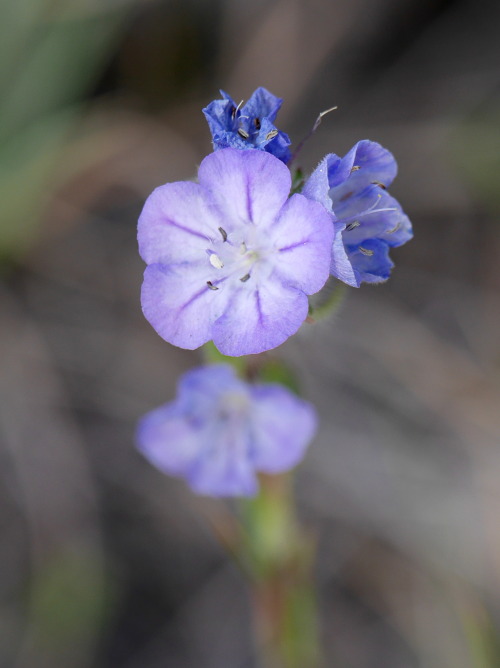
(297, 181)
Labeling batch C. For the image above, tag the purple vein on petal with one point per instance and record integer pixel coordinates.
(194, 298)
(259, 307)
(292, 246)
(198, 294)
(186, 229)
(249, 200)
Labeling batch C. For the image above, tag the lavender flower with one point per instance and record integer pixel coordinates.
(220, 431)
(232, 258)
(368, 221)
(248, 126)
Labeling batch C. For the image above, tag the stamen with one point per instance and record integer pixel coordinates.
(223, 233)
(243, 248)
(234, 110)
(352, 226)
(245, 278)
(317, 122)
(243, 133)
(355, 168)
(215, 261)
(257, 123)
(366, 251)
(212, 286)
(271, 135)
(381, 185)
(394, 229)
(369, 211)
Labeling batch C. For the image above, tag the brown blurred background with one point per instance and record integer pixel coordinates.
(106, 563)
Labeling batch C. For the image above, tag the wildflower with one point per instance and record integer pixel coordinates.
(232, 258)
(220, 431)
(249, 125)
(368, 221)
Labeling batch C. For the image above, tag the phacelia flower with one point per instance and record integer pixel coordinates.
(248, 126)
(368, 221)
(232, 258)
(220, 431)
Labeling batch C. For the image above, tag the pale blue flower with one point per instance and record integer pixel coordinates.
(232, 258)
(220, 431)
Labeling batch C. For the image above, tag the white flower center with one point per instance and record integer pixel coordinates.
(237, 256)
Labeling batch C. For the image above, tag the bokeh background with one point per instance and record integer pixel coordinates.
(104, 562)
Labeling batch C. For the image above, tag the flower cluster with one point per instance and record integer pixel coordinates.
(233, 258)
(249, 125)
(367, 220)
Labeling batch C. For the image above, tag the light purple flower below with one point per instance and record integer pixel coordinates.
(232, 258)
(220, 431)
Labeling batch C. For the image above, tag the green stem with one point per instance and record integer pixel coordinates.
(280, 557)
(272, 549)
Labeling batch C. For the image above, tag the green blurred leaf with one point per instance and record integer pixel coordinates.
(50, 54)
(56, 67)
(474, 150)
(27, 163)
(69, 602)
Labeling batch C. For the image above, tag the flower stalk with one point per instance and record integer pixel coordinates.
(280, 556)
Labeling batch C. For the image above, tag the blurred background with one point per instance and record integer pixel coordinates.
(106, 563)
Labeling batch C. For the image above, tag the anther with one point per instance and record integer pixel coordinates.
(346, 196)
(245, 278)
(215, 261)
(271, 135)
(352, 226)
(243, 133)
(366, 251)
(212, 286)
(381, 185)
(257, 123)
(355, 168)
(223, 233)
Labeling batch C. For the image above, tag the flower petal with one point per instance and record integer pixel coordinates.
(303, 234)
(260, 319)
(371, 261)
(180, 305)
(341, 266)
(176, 224)
(317, 186)
(250, 186)
(365, 163)
(262, 104)
(282, 427)
(168, 440)
(224, 468)
(200, 388)
(377, 214)
(219, 114)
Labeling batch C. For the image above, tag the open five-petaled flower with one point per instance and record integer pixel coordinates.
(232, 258)
(250, 125)
(220, 431)
(368, 221)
